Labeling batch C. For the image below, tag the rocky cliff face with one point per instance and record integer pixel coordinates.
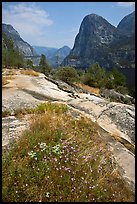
(99, 41)
(26, 49)
(127, 24)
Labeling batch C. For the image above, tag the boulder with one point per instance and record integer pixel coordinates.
(117, 97)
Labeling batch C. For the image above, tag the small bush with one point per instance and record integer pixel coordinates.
(132, 92)
(95, 76)
(67, 74)
(122, 89)
(115, 78)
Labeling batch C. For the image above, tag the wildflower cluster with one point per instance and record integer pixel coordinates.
(67, 162)
(62, 165)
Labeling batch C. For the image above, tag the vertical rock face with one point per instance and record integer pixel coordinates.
(99, 41)
(26, 49)
(127, 24)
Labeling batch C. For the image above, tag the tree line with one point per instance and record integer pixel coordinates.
(94, 75)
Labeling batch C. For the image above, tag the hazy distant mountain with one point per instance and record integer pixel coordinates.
(47, 51)
(54, 56)
(99, 41)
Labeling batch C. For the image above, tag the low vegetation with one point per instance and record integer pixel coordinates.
(61, 159)
(29, 72)
(90, 89)
(44, 67)
(67, 74)
(6, 113)
(94, 76)
(5, 79)
(10, 55)
(127, 144)
(41, 108)
(10, 72)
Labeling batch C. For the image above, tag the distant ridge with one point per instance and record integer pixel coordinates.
(99, 41)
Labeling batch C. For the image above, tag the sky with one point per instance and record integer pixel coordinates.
(55, 24)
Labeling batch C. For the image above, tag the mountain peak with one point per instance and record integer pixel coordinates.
(9, 30)
(99, 41)
(65, 46)
(92, 15)
(19, 43)
(127, 24)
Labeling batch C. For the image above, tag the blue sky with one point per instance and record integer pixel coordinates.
(55, 24)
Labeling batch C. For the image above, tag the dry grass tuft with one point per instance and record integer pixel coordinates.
(127, 144)
(11, 72)
(6, 79)
(29, 72)
(88, 88)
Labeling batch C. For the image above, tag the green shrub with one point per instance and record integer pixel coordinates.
(29, 63)
(98, 77)
(122, 89)
(67, 74)
(132, 92)
(118, 79)
(126, 101)
(95, 76)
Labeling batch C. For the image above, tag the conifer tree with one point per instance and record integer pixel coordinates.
(44, 66)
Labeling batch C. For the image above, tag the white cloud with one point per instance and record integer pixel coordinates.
(126, 4)
(28, 19)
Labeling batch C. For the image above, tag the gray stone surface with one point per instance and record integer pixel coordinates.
(112, 117)
(115, 96)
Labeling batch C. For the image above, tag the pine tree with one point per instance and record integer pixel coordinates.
(29, 63)
(44, 66)
(10, 55)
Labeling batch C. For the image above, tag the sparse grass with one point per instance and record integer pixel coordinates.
(128, 145)
(6, 113)
(57, 108)
(88, 88)
(61, 159)
(5, 79)
(18, 112)
(29, 72)
(41, 108)
(23, 111)
(11, 72)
